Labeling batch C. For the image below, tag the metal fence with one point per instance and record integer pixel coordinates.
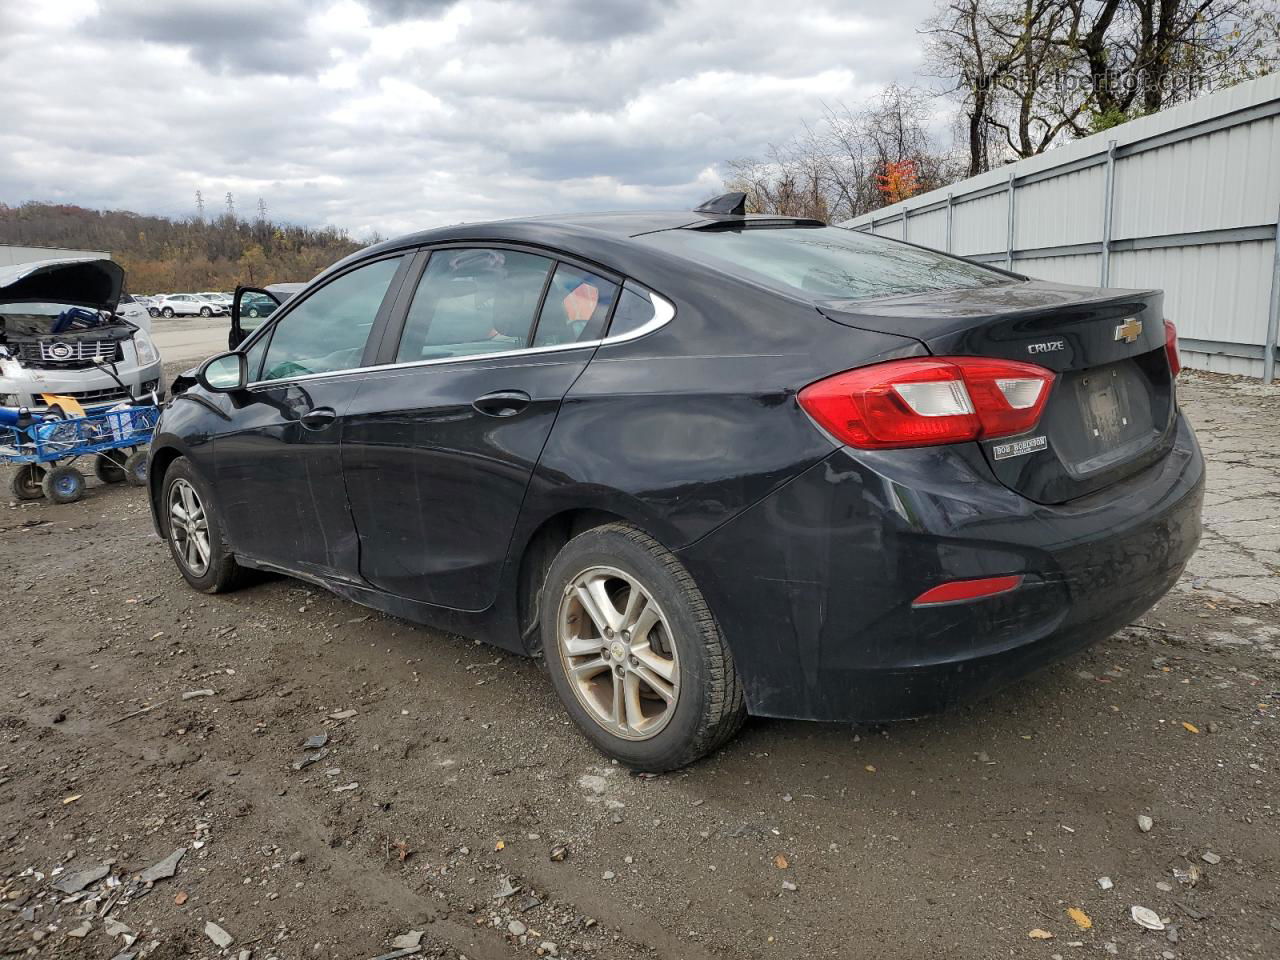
(1186, 200)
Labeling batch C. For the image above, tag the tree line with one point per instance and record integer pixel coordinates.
(1011, 79)
(166, 255)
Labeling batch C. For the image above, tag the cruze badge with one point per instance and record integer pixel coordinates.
(1130, 330)
(1047, 347)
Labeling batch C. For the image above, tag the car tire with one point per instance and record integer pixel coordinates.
(619, 707)
(206, 312)
(63, 485)
(253, 313)
(25, 483)
(154, 311)
(215, 569)
(136, 468)
(167, 313)
(108, 467)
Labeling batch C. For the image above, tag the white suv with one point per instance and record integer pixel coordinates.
(189, 305)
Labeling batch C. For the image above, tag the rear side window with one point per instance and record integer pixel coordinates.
(634, 311)
(824, 263)
(473, 301)
(576, 309)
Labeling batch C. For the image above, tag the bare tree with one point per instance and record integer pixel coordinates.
(831, 169)
(1025, 73)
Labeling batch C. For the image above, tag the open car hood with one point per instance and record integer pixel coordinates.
(90, 282)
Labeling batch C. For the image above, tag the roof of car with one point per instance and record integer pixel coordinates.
(581, 233)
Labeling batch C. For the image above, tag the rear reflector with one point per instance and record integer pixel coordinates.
(925, 401)
(960, 590)
(1171, 348)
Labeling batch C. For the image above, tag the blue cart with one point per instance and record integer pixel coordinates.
(45, 449)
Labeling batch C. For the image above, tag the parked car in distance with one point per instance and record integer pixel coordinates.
(188, 305)
(214, 297)
(255, 306)
(134, 310)
(60, 325)
(704, 464)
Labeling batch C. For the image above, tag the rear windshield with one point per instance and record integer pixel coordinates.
(826, 263)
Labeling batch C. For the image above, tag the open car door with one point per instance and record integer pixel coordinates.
(251, 307)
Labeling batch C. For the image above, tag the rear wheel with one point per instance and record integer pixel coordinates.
(194, 531)
(634, 652)
(63, 485)
(135, 468)
(109, 466)
(26, 482)
(167, 313)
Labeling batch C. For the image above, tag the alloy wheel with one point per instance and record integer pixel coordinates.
(189, 527)
(617, 651)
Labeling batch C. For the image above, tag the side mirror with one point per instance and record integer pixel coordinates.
(225, 373)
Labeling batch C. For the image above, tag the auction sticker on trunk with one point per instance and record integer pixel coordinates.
(1019, 448)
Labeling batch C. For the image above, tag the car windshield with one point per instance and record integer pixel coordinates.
(825, 263)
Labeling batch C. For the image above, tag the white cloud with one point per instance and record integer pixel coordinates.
(397, 115)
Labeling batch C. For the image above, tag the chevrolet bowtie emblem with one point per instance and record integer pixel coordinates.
(1129, 330)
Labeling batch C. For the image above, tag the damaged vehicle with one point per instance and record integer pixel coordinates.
(704, 464)
(59, 328)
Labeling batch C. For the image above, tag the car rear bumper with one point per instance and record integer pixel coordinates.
(814, 585)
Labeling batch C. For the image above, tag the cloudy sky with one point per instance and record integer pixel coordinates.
(394, 115)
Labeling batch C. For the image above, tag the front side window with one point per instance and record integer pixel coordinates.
(327, 332)
(824, 263)
(576, 308)
(473, 301)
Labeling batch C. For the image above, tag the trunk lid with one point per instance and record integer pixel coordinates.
(1111, 408)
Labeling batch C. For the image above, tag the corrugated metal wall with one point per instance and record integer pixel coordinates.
(11, 254)
(1193, 195)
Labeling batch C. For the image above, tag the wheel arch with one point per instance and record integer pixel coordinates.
(162, 459)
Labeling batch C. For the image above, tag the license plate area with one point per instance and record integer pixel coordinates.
(1112, 414)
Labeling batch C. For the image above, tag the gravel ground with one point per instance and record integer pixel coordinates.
(452, 782)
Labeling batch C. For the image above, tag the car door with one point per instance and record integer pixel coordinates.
(277, 462)
(439, 447)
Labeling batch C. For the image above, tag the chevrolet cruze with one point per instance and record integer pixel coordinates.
(703, 464)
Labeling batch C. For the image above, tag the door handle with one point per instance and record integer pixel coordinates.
(502, 403)
(318, 418)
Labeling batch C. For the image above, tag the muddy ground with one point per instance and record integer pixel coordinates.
(440, 799)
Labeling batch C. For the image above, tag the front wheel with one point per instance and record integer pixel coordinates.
(206, 312)
(253, 313)
(635, 653)
(155, 312)
(194, 530)
(63, 485)
(167, 313)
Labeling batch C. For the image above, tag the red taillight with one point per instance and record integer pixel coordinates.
(1171, 348)
(960, 590)
(926, 401)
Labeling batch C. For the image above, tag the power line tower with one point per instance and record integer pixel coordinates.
(200, 206)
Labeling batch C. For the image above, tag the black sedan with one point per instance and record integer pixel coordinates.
(703, 464)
